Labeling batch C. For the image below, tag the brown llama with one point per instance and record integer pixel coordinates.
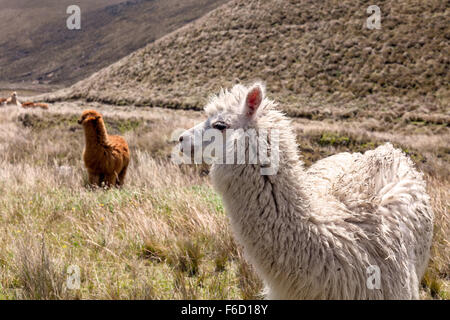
(27, 105)
(106, 157)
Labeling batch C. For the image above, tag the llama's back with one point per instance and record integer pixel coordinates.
(381, 182)
(119, 144)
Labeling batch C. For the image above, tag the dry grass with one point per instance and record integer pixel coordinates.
(436, 282)
(165, 234)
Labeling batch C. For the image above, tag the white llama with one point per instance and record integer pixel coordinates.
(321, 233)
(13, 100)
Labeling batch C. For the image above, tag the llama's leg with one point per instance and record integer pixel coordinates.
(121, 177)
(110, 180)
(102, 180)
(94, 179)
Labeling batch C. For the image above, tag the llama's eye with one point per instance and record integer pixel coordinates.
(220, 126)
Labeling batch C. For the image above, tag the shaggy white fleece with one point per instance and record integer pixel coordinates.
(312, 234)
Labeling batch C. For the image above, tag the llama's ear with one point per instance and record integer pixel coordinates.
(253, 100)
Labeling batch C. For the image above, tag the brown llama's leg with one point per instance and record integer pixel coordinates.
(110, 180)
(121, 178)
(94, 180)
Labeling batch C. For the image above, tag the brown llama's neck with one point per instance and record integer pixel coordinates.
(95, 133)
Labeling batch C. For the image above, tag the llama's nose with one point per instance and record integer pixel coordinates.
(181, 143)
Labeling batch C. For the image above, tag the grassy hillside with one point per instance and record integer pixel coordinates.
(316, 57)
(37, 46)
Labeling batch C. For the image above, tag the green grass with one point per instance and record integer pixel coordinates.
(330, 139)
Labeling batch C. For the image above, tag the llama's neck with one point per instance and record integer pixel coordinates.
(14, 100)
(250, 194)
(271, 215)
(244, 184)
(96, 134)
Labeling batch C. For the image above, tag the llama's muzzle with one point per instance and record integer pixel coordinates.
(185, 143)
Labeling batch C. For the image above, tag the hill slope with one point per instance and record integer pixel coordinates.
(36, 44)
(310, 54)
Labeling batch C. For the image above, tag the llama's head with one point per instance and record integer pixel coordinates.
(236, 128)
(89, 117)
(14, 95)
